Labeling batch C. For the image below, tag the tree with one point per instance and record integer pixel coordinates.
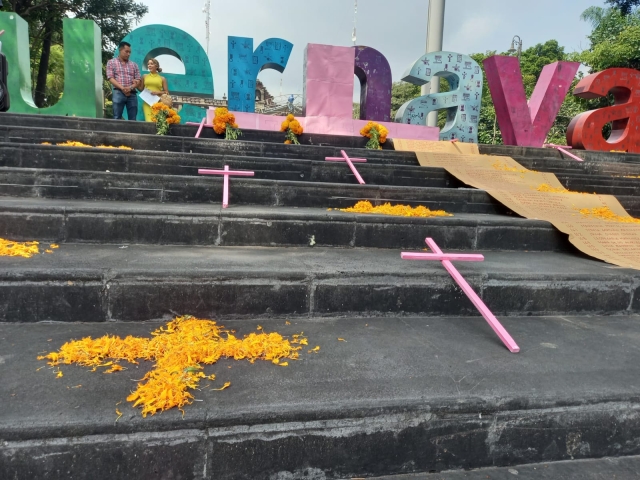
(624, 6)
(615, 39)
(114, 17)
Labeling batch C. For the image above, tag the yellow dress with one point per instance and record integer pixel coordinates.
(153, 82)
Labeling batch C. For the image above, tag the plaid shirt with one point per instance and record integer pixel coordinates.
(125, 73)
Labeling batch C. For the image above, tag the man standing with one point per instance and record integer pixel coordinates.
(124, 75)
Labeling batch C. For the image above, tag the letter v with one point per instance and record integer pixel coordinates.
(521, 123)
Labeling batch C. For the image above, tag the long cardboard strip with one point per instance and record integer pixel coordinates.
(517, 187)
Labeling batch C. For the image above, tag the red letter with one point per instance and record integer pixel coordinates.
(585, 131)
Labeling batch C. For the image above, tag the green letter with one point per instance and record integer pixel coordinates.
(83, 95)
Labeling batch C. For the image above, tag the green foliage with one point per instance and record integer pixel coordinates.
(114, 17)
(401, 93)
(624, 6)
(615, 39)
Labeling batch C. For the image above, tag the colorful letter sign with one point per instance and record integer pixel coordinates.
(82, 68)
(585, 131)
(153, 40)
(245, 65)
(462, 102)
(373, 71)
(527, 125)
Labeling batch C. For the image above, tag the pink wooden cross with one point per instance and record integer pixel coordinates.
(350, 161)
(446, 259)
(226, 172)
(563, 149)
(200, 127)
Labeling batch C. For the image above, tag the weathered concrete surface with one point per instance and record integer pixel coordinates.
(74, 125)
(620, 468)
(401, 395)
(605, 178)
(98, 283)
(85, 221)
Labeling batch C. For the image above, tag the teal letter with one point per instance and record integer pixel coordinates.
(83, 95)
(154, 40)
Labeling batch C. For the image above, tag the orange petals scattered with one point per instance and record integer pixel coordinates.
(114, 368)
(224, 387)
(605, 213)
(179, 349)
(71, 143)
(9, 248)
(395, 210)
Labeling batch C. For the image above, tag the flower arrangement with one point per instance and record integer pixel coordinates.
(164, 117)
(292, 128)
(179, 351)
(364, 206)
(377, 135)
(225, 122)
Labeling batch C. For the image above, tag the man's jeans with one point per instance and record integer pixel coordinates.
(120, 100)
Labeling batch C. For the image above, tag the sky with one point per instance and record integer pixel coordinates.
(397, 29)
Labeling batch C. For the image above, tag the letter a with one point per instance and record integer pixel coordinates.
(522, 124)
(83, 95)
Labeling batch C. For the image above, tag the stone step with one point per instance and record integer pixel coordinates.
(618, 468)
(111, 282)
(400, 395)
(162, 163)
(73, 184)
(530, 157)
(83, 221)
(188, 132)
(93, 185)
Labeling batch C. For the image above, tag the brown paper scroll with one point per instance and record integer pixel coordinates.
(516, 187)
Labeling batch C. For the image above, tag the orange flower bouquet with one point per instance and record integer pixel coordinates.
(164, 117)
(377, 135)
(292, 128)
(225, 122)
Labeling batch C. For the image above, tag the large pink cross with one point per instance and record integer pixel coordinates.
(350, 161)
(226, 172)
(446, 259)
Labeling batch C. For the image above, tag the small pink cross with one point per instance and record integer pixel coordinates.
(563, 149)
(226, 172)
(446, 259)
(345, 158)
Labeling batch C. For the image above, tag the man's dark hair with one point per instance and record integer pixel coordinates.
(123, 44)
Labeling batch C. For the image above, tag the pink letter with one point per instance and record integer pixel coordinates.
(523, 124)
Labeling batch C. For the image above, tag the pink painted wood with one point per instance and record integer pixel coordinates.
(466, 288)
(563, 149)
(201, 127)
(345, 158)
(452, 257)
(226, 172)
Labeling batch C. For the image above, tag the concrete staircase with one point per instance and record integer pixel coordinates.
(420, 385)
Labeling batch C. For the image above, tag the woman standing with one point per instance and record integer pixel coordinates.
(156, 84)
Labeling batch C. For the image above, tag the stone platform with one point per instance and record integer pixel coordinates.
(401, 394)
(421, 383)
